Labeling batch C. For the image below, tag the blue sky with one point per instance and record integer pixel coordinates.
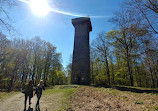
(57, 28)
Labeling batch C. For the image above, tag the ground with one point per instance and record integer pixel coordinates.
(53, 99)
(108, 99)
(85, 98)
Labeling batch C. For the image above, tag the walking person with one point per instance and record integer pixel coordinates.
(38, 92)
(28, 91)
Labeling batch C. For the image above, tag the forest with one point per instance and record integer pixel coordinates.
(35, 59)
(126, 55)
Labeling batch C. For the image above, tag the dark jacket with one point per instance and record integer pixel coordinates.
(28, 90)
(38, 91)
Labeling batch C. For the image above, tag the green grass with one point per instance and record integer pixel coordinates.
(156, 108)
(154, 94)
(66, 93)
(125, 98)
(138, 102)
(109, 90)
(59, 89)
(141, 88)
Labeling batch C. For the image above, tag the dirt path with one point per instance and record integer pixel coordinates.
(16, 103)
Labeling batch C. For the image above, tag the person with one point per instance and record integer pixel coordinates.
(38, 92)
(28, 91)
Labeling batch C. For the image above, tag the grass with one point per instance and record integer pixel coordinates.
(154, 94)
(141, 88)
(120, 95)
(59, 89)
(138, 102)
(65, 94)
(156, 108)
(55, 97)
(4, 95)
(60, 95)
(144, 101)
(125, 98)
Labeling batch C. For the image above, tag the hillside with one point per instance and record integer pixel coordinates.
(83, 98)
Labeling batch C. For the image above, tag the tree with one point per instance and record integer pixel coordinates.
(126, 38)
(4, 43)
(147, 9)
(100, 45)
(151, 58)
(69, 72)
(4, 16)
(21, 60)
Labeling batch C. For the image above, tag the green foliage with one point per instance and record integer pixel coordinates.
(100, 79)
(121, 81)
(138, 102)
(132, 56)
(21, 60)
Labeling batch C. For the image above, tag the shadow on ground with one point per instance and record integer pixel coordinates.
(31, 109)
(124, 88)
(121, 88)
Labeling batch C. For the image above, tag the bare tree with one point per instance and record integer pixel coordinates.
(148, 9)
(5, 20)
(126, 37)
(101, 46)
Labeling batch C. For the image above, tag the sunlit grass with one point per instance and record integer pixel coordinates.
(5, 95)
(65, 92)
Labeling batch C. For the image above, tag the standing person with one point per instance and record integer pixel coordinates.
(38, 92)
(28, 91)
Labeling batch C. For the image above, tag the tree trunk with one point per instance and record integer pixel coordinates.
(151, 74)
(11, 83)
(152, 78)
(113, 76)
(107, 67)
(34, 69)
(92, 75)
(45, 73)
(146, 80)
(130, 71)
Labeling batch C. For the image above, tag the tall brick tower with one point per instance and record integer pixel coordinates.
(81, 52)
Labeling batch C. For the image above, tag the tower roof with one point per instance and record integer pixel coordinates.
(82, 19)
